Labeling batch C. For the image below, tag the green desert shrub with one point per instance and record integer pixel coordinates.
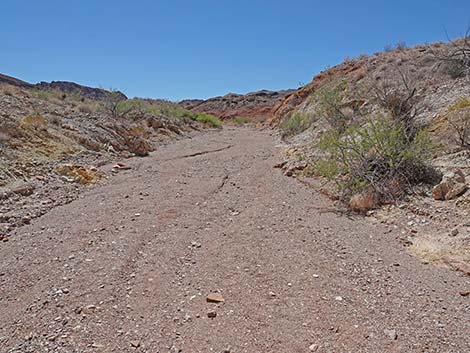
(176, 112)
(128, 106)
(459, 121)
(240, 120)
(209, 119)
(329, 101)
(297, 123)
(377, 156)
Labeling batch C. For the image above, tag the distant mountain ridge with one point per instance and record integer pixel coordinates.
(64, 86)
(256, 105)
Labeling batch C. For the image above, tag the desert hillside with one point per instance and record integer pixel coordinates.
(388, 135)
(54, 136)
(257, 106)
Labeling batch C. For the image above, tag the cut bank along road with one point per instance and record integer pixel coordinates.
(127, 267)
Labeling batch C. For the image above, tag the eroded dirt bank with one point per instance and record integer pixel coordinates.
(129, 265)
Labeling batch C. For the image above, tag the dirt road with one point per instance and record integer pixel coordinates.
(128, 266)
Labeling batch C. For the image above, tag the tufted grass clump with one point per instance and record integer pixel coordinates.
(34, 122)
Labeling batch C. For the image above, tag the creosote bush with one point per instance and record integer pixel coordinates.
(112, 101)
(459, 120)
(330, 105)
(401, 100)
(377, 157)
(209, 120)
(297, 123)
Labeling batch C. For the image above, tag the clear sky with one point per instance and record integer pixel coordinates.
(197, 49)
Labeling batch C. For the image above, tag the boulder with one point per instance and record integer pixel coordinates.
(363, 202)
(291, 168)
(139, 147)
(452, 186)
(23, 189)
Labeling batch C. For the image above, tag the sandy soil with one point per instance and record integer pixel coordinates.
(128, 266)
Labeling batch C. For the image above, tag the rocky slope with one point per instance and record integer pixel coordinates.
(256, 105)
(435, 226)
(53, 143)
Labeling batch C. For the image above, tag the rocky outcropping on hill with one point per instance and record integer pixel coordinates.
(255, 105)
(72, 87)
(62, 86)
(5, 79)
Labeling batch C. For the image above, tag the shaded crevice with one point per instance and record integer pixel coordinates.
(199, 153)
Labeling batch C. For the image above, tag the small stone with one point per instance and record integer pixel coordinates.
(211, 314)
(454, 232)
(215, 298)
(195, 244)
(316, 276)
(121, 166)
(26, 220)
(338, 298)
(392, 334)
(135, 344)
(313, 348)
(465, 293)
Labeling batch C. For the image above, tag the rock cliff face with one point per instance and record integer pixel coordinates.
(256, 105)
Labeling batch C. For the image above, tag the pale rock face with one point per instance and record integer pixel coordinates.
(452, 186)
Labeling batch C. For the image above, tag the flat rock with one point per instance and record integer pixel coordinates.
(135, 344)
(215, 298)
(392, 334)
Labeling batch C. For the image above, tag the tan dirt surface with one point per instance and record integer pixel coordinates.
(129, 266)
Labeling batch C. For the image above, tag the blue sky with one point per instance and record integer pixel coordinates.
(178, 49)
